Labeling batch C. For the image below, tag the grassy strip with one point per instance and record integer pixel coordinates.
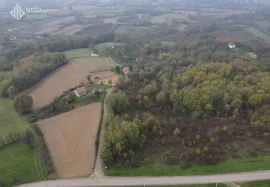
(44, 154)
(229, 166)
(102, 98)
(78, 53)
(256, 184)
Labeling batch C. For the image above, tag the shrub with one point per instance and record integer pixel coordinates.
(198, 151)
(212, 139)
(198, 137)
(109, 81)
(23, 104)
(205, 149)
(218, 130)
(126, 116)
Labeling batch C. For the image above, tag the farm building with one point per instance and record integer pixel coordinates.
(94, 55)
(231, 45)
(252, 55)
(80, 91)
(126, 70)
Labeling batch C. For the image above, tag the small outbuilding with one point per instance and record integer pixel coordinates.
(252, 55)
(231, 45)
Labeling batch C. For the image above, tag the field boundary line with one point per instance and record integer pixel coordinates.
(37, 163)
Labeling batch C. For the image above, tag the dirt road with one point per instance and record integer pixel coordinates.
(154, 181)
(98, 170)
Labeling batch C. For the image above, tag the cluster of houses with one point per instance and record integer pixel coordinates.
(232, 45)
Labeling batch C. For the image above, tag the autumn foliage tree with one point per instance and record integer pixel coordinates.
(23, 104)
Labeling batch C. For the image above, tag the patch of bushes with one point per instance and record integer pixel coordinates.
(11, 138)
(15, 137)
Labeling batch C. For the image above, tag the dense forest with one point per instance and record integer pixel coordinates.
(204, 113)
(193, 103)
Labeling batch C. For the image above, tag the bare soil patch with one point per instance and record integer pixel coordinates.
(104, 76)
(67, 30)
(111, 20)
(65, 20)
(70, 138)
(48, 30)
(169, 18)
(94, 64)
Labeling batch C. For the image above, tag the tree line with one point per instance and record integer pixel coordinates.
(13, 137)
(29, 71)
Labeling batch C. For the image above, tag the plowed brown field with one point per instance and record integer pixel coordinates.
(70, 138)
(64, 78)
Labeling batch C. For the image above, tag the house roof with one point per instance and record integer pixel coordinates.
(126, 70)
(232, 44)
(81, 90)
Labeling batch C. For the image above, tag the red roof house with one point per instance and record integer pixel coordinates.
(80, 91)
(126, 70)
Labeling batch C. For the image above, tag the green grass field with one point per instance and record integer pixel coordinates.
(259, 34)
(9, 120)
(229, 166)
(21, 161)
(122, 29)
(92, 87)
(170, 44)
(17, 159)
(107, 44)
(78, 53)
(263, 23)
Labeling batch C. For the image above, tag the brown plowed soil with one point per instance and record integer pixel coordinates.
(70, 138)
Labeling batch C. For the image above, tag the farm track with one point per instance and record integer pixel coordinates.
(98, 170)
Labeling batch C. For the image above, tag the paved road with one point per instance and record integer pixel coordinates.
(141, 181)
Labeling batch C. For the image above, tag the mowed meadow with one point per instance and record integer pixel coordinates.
(70, 138)
(17, 159)
(68, 76)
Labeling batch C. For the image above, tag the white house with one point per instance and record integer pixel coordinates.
(231, 45)
(94, 55)
(80, 91)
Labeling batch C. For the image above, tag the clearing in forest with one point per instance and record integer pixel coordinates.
(70, 138)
